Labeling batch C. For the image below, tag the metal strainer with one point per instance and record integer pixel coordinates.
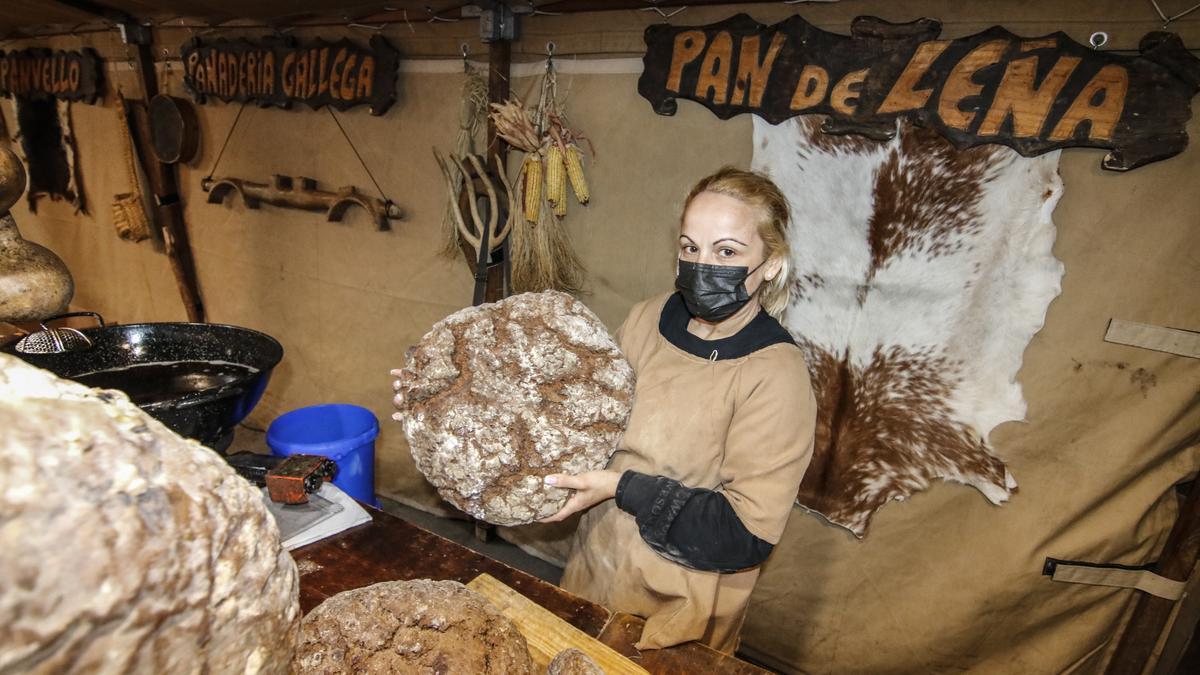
(59, 339)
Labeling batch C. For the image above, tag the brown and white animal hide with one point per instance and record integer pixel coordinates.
(921, 272)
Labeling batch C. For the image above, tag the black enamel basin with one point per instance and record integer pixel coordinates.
(199, 379)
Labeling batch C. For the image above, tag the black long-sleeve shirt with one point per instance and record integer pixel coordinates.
(691, 526)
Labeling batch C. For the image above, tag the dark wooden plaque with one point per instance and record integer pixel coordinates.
(1031, 94)
(281, 72)
(46, 74)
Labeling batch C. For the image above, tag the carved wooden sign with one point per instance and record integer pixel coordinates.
(281, 72)
(45, 74)
(1031, 94)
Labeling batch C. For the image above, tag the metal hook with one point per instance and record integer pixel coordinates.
(466, 63)
(1098, 39)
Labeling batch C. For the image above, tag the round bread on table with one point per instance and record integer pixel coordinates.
(495, 397)
(573, 662)
(420, 626)
(125, 548)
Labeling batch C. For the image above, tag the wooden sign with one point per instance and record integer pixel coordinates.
(45, 74)
(1031, 94)
(281, 72)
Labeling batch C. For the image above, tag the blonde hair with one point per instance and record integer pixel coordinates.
(760, 193)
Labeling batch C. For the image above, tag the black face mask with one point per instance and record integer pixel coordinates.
(713, 292)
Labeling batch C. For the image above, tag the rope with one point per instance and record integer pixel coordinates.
(356, 154)
(227, 137)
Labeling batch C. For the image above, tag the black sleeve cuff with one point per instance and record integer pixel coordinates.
(694, 527)
(635, 492)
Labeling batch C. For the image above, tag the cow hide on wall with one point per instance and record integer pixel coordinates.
(921, 272)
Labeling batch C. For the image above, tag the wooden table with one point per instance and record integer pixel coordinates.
(390, 549)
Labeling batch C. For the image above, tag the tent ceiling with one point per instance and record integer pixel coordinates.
(33, 16)
(30, 17)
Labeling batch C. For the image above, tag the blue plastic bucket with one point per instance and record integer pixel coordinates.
(344, 433)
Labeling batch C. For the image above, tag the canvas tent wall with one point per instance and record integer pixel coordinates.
(944, 581)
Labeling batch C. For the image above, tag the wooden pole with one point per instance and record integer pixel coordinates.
(168, 207)
(499, 62)
(499, 71)
(1150, 614)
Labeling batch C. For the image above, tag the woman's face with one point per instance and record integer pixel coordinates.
(719, 230)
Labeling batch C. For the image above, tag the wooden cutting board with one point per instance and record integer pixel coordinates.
(546, 634)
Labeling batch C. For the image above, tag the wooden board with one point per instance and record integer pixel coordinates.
(282, 71)
(547, 634)
(1033, 94)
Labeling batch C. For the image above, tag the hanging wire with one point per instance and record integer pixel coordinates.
(433, 16)
(536, 12)
(665, 15)
(356, 154)
(227, 137)
(1167, 20)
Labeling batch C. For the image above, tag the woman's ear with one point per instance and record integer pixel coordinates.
(773, 267)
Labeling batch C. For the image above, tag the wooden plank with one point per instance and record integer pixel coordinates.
(547, 634)
(1151, 614)
(1033, 94)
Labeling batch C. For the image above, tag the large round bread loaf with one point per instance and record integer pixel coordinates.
(419, 626)
(125, 548)
(497, 396)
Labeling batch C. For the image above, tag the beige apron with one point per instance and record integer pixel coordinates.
(741, 426)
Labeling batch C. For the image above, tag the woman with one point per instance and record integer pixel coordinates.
(703, 481)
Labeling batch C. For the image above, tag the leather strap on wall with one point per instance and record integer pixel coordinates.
(1119, 576)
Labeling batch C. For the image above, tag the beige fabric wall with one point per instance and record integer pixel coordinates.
(943, 582)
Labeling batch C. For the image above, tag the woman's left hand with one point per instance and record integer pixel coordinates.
(590, 488)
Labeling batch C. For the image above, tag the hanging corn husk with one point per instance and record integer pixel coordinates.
(542, 256)
(471, 113)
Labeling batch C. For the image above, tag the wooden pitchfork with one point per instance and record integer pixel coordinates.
(484, 238)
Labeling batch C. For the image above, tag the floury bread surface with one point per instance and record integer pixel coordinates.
(419, 626)
(495, 397)
(573, 662)
(127, 549)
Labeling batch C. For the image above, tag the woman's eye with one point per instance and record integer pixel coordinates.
(690, 249)
(727, 253)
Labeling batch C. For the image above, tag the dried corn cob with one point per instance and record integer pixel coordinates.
(574, 162)
(533, 186)
(556, 180)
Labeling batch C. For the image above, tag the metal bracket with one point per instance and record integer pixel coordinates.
(133, 33)
(497, 23)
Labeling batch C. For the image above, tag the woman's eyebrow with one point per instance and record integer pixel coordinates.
(729, 239)
(684, 236)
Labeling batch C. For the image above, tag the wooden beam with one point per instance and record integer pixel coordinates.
(572, 6)
(168, 207)
(499, 71)
(1151, 613)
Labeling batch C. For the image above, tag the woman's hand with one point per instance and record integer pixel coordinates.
(590, 488)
